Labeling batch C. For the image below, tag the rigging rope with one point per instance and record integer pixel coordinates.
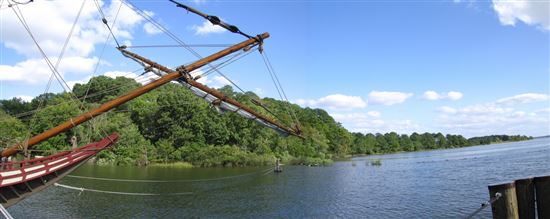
(119, 193)
(58, 62)
(175, 46)
(484, 205)
(174, 37)
(48, 62)
(173, 181)
(104, 20)
(102, 52)
(137, 79)
(278, 86)
(5, 212)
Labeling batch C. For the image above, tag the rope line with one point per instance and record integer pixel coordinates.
(46, 59)
(175, 46)
(279, 87)
(138, 79)
(119, 193)
(484, 205)
(5, 212)
(175, 38)
(104, 20)
(101, 54)
(171, 181)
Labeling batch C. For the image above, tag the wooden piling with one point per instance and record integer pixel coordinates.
(506, 206)
(525, 193)
(542, 191)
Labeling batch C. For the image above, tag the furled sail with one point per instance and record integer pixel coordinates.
(224, 106)
(216, 98)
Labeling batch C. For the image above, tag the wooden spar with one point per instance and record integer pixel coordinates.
(129, 96)
(212, 92)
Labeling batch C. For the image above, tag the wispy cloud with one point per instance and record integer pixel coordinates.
(529, 12)
(335, 102)
(523, 98)
(388, 97)
(498, 117)
(451, 95)
(207, 28)
(371, 122)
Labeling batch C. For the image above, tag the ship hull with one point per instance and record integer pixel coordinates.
(19, 180)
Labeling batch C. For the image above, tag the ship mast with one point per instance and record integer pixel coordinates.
(173, 75)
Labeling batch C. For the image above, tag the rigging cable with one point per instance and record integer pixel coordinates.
(24, 114)
(262, 172)
(53, 68)
(173, 181)
(96, 68)
(102, 50)
(47, 60)
(278, 85)
(175, 46)
(60, 57)
(118, 193)
(484, 205)
(174, 37)
(104, 20)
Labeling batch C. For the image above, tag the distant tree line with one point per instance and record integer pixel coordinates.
(392, 142)
(171, 124)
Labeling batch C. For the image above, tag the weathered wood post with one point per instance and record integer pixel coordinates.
(506, 206)
(525, 193)
(542, 190)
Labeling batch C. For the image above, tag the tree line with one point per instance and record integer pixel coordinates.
(171, 124)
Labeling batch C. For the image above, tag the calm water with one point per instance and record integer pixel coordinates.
(434, 184)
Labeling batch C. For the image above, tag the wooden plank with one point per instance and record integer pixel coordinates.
(506, 206)
(542, 190)
(525, 193)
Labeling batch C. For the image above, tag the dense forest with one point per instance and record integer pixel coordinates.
(170, 124)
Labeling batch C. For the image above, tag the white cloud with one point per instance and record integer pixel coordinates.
(73, 83)
(151, 29)
(375, 114)
(547, 110)
(335, 102)
(387, 97)
(259, 91)
(530, 12)
(207, 28)
(51, 32)
(451, 95)
(25, 98)
(142, 79)
(198, 2)
(371, 122)
(447, 109)
(454, 95)
(491, 118)
(35, 71)
(88, 31)
(523, 98)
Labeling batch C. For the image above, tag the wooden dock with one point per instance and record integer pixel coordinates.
(522, 198)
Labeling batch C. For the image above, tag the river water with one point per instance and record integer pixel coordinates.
(432, 184)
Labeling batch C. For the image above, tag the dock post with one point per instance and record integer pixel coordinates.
(542, 190)
(505, 207)
(525, 193)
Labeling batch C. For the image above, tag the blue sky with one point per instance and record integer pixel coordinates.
(460, 67)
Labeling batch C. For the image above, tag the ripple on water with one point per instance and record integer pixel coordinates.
(434, 184)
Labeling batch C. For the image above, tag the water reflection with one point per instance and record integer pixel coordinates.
(433, 184)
